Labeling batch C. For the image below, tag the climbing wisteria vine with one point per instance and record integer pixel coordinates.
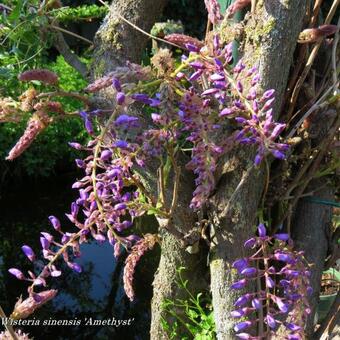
(202, 106)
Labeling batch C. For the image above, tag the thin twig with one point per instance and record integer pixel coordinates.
(57, 28)
(310, 61)
(314, 164)
(8, 325)
(175, 190)
(316, 10)
(61, 93)
(261, 318)
(140, 30)
(70, 57)
(161, 185)
(316, 106)
(334, 54)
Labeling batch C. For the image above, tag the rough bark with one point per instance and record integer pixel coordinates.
(271, 35)
(115, 43)
(312, 221)
(311, 234)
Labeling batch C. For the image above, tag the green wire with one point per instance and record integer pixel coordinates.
(324, 202)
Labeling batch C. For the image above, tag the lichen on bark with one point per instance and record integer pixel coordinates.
(278, 25)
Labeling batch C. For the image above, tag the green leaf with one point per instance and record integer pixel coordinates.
(16, 11)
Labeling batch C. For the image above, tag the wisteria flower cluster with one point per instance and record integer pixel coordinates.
(282, 278)
(155, 114)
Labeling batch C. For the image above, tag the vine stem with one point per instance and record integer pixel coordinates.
(59, 253)
(65, 94)
(8, 325)
(261, 317)
(94, 171)
(265, 261)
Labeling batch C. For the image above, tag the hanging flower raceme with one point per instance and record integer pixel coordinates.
(282, 293)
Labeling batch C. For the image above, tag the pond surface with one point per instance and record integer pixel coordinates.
(95, 294)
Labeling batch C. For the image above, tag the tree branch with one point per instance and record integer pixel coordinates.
(71, 58)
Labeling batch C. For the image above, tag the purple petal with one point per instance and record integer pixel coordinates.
(292, 327)
(217, 77)
(106, 155)
(242, 325)
(88, 126)
(195, 75)
(210, 91)
(120, 97)
(251, 271)
(122, 144)
(75, 266)
(250, 243)
(261, 229)
(55, 222)
(256, 303)
(270, 321)
(120, 206)
(76, 146)
(282, 237)
(237, 313)
(226, 112)
(28, 252)
(239, 284)
(116, 84)
(242, 300)
(240, 264)
(44, 243)
(244, 336)
(269, 282)
(17, 273)
(283, 257)
(268, 94)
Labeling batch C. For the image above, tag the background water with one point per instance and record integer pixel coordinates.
(96, 293)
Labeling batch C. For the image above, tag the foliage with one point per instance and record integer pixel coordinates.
(194, 313)
(80, 13)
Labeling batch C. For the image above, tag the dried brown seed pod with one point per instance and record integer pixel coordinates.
(37, 123)
(24, 309)
(27, 99)
(182, 39)
(45, 76)
(163, 61)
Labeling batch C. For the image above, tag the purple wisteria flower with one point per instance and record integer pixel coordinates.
(284, 288)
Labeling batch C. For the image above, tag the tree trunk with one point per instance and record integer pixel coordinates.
(312, 235)
(312, 221)
(115, 43)
(271, 35)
